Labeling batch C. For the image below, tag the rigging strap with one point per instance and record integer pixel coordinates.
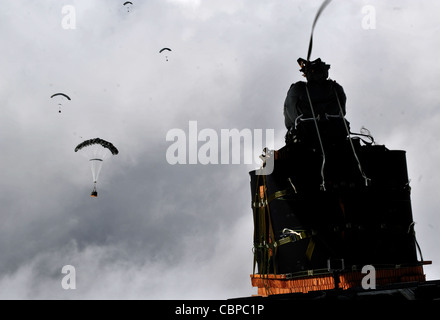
(321, 8)
(319, 137)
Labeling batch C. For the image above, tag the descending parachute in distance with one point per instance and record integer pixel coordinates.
(165, 49)
(96, 150)
(61, 97)
(128, 5)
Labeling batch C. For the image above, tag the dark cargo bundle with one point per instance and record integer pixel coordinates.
(300, 227)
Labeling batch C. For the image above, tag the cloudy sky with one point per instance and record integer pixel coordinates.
(184, 231)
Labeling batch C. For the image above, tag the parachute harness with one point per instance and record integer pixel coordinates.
(320, 140)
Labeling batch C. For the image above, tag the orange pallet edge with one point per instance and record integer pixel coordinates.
(279, 284)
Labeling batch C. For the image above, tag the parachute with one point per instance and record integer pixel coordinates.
(62, 95)
(128, 4)
(96, 150)
(165, 49)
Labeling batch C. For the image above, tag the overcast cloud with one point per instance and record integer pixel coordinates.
(184, 231)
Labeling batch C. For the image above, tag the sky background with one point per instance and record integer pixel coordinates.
(161, 231)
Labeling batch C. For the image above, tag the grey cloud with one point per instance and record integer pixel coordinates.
(156, 227)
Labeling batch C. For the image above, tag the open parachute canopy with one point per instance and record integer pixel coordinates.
(97, 141)
(96, 150)
(165, 49)
(62, 95)
(128, 4)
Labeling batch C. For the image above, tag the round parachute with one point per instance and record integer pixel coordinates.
(97, 141)
(62, 95)
(165, 49)
(96, 150)
(128, 4)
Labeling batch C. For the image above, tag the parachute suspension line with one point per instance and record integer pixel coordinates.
(320, 140)
(321, 8)
(367, 180)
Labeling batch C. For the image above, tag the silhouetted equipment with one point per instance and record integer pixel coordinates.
(311, 68)
(318, 105)
(94, 193)
(299, 227)
(331, 203)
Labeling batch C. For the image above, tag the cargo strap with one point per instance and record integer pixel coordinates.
(319, 138)
(298, 235)
(277, 195)
(285, 240)
(292, 237)
(310, 248)
(273, 196)
(265, 238)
